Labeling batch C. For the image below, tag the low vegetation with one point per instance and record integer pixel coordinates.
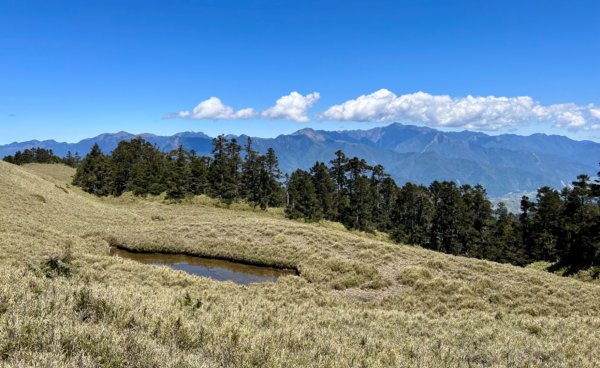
(360, 300)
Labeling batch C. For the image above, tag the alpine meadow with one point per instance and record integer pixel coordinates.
(360, 300)
(299, 184)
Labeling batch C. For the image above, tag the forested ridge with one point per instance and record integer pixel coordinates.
(42, 156)
(562, 227)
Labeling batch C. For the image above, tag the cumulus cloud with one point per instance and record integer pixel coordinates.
(485, 113)
(292, 107)
(213, 109)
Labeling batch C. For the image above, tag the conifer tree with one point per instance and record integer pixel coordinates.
(506, 242)
(324, 190)
(476, 221)
(383, 190)
(446, 220)
(580, 240)
(273, 190)
(93, 175)
(412, 215)
(527, 212)
(545, 225)
(358, 214)
(178, 175)
(251, 174)
(198, 174)
(69, 160)
(338, 173)
(302, 198)
(234, 164)
(217, 173)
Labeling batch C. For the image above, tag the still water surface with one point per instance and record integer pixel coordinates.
(214, 268)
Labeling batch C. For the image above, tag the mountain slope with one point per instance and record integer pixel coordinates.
(503, 164)
(358, 299)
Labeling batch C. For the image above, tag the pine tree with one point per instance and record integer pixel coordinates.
(198, 174)
(302, 198)
(324, 189)
(338, 173)
(412, 214)
(69, 160)
(77, 159)
(93, 175)
(272, 184)
(525, 222)
(580, 239)
(506, 243)
(178, 175)
(9, 158)
(217, 171)
(476, 221)
(545, 224)
(232, 188)
(446, 222)
(251, 175)
(383, 191)
(123, 159)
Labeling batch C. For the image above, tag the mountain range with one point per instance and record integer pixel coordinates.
(503, 164)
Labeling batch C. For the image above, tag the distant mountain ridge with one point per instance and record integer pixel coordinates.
(504, 164)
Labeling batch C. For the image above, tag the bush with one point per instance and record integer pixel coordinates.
(56, 266)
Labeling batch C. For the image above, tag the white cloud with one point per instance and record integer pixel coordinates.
(486, 113)
(595, 113)
(213, 109)
(292, 107)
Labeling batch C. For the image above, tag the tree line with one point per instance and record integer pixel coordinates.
(556, 226)
(42, 156)
(559, 226)
(141, 168)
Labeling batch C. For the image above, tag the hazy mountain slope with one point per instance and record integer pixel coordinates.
(109, 142)
(503, 164)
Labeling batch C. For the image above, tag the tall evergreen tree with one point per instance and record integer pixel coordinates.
(383, 191)
(545, 225)
(338, 173)
(123, 159)
(179, 175)
(148, 172)
(198, 173)
(324, 189)
(580, 240)
(302, 198)
(272, 181)
(251, 174)
(476, 221)
(446, 222)
(525, 221)
(69, 160)
(506, 243)
(218, 172)
(93, 175)
(412, 215)
(358, 215)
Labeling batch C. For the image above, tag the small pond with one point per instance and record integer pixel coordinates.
(214, 268)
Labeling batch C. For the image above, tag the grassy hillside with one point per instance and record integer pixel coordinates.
(361, 301)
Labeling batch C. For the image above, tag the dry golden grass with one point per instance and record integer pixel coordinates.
(361, 300)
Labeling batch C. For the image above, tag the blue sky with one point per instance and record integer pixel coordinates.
(75, 69)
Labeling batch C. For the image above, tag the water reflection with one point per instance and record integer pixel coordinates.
(215, 269)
